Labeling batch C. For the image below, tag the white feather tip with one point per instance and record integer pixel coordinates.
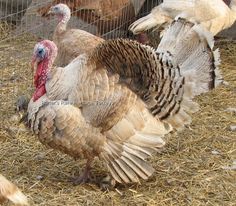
(219, 78)
(204, 34)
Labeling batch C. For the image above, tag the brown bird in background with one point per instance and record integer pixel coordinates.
(106, 15)
(70, 42)
(8, 191)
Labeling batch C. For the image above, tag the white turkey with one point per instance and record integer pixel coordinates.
(70, 42)
(118, 102)
(214, 15)
(8, 191)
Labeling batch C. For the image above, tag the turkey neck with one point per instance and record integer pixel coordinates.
(61, 27)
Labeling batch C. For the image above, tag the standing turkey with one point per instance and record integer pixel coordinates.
(8, 191)
(119, 101)
(214, 15)
(70, 42)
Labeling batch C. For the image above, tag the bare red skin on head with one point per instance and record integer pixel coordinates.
(43, 68)
(40, 79)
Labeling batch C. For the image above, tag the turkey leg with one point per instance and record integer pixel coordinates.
(85, 175)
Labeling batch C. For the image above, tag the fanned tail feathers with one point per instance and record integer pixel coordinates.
(192, 49)
(173, 98)
(126, 160)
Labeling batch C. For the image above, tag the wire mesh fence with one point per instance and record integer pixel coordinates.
(22, 22)
(106, 18)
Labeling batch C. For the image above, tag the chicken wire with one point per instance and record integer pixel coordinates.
(25, 16)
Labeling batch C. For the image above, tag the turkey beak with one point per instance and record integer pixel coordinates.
(50, 11)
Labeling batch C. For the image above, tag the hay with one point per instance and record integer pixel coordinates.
(188, 171)
(5, 30)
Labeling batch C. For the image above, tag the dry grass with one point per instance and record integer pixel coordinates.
(188, 172)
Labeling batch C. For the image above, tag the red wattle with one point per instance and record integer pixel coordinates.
(40, 91)
(40, 79)
(40, 72)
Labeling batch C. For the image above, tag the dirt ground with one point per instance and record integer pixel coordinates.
(193, 169)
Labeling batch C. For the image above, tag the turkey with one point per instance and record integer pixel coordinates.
(119, 101)
(106, 15)
(214, 15)
(70, 42)
(8, 191)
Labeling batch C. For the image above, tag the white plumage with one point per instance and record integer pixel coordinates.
(214, 15)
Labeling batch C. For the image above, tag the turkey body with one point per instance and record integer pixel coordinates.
(98, 117)
(119, 101)
(213, 15)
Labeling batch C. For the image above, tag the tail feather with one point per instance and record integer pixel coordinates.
(175, 102)
(146, 168)
(146, 150)
(130, 163)
(173, 34)
(192, 49)
(137, 151)
(9, 191)
(146, 140)
(120, 171)
(129, 172)
(130, 142)
(134, 167)
(189, 47)
(218, 76)
(113, 171)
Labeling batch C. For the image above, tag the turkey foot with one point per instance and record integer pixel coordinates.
(107, 183)
(85, 176)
